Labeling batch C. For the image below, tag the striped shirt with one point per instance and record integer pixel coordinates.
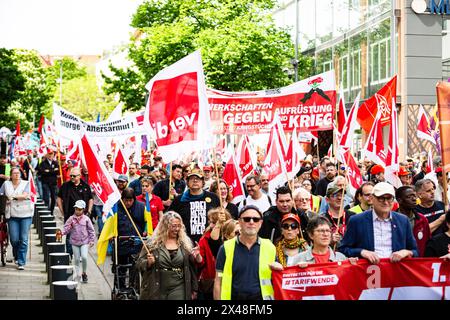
(382, 234)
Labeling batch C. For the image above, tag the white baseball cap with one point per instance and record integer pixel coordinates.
(382, 188)
(80, 204)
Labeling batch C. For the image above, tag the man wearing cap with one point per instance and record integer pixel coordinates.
(69, 193)
(376, 174)
(405, 176)
(379, 232)
(48, 171)
(207, 170)
(161, 188)
(336, 215)
(193, 205)
(242, 264)
(432, 209)
(284, 204)
(121, 182)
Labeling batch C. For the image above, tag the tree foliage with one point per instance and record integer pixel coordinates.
(12, 82)
(241, 47)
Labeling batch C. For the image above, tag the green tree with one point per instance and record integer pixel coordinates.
(12, 82)
(83, 97)
(241, 47)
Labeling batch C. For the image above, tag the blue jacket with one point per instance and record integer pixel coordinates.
(359, 234)
(125, 227)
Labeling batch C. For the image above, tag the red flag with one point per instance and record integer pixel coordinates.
(342, 113)
(177, 112)
(379, 102)
(231, 177)
(374, 148)
(330, 151)
(33, 193)
(244, 158)
(278, 131)
(98, 176)
(18, 128)
(74, 152)
(120, 164)
(423, 126)
(41, 124)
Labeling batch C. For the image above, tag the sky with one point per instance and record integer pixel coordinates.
(66, 27)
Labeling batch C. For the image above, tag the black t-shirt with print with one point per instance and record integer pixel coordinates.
(433, 213)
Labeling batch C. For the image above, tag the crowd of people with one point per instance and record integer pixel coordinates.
(205, 245)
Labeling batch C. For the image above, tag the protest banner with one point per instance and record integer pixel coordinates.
(69, 125)
(410, 279)
(308, 105)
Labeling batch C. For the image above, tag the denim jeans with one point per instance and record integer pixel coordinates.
(49, 194)
(39, 188)
(18, 234)
(98, 213)
(80, 251)
(69, 246)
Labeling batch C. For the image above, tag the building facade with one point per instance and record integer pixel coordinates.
(367, 42)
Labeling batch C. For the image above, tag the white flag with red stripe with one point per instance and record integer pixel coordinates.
(98, 177)
(423, 126)
(392, 164)
(293, 156)
(348, 130)
(374, 148)
(430, 166)
(274, 165)
(353, 173)
(177, 112)
(33, 193)
(232, 178)
(244, 157)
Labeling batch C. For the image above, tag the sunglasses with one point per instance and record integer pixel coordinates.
(383, 199)
(286, 226)
(74, 175)
(254, 219)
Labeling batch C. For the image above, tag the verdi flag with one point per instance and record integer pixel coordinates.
(244, 157)
(120, 164)
(33, 193)
(374, 148)
(443, 99)
(177, 111)
(232, 178)
(380, 102)
(423, 126)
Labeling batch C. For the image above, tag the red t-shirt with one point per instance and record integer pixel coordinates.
(156, 206)
(322, 258)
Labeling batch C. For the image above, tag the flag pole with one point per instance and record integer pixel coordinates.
(217, 176)
(170, 179)
(59, 164)
(134, 225)
(341, 207)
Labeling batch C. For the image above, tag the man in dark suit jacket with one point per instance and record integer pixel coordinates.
(380, 232)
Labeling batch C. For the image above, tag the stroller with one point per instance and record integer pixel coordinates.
(3, 238)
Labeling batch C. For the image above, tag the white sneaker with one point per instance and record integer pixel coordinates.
(20, 267)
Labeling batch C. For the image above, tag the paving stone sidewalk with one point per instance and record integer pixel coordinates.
(30, 284)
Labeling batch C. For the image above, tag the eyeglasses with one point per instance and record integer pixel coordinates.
(74, 175)
(323, 231)
(293, 226)
(250, 186)
(254, 219)
(303, 199)
(383, 199)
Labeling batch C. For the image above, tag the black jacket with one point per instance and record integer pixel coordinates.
(48, 172)
(125, 227)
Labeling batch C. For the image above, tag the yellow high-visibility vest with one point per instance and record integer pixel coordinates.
(266, 256)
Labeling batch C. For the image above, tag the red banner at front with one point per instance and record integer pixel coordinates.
(308, 105)
(411, 279)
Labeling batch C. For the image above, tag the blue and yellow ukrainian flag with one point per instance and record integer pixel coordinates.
(109, 231)
(148, 216)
